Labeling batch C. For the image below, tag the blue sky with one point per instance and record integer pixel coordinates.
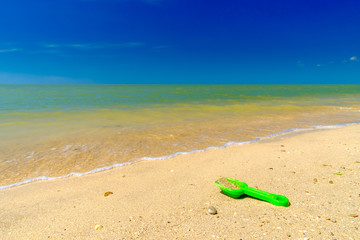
(180, 41)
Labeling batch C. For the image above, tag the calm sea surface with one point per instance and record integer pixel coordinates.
(54, 130)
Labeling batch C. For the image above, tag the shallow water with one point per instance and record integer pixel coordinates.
(53, 130)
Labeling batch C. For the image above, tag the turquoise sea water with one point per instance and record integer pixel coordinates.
(52, 98)
(53, 130)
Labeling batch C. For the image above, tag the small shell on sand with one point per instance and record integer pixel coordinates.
(98, 227)
(107, 194)
(212, 210)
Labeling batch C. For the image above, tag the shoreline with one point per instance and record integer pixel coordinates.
(53, 132)
(168, 198)
(116, 165)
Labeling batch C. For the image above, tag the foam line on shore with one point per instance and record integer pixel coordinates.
(67, 175)
(250, 141)
(176, 154)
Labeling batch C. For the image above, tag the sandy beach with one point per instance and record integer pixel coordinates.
(318, 170)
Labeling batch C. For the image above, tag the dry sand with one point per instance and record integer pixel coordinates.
(319, 171)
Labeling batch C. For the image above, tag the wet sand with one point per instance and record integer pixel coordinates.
(318, 170)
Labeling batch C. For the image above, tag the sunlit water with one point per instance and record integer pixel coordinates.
(53, 130)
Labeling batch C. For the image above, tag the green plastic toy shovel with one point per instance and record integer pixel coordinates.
(234, 188)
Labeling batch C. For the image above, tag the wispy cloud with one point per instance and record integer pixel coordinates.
(59, 48)
(51, 45)
(82, 46)
(353, 58)
(21, 78)
(89, 46)
(10, 50)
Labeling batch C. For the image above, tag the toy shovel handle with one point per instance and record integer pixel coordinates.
(278, 200)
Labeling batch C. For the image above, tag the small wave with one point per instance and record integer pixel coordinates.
(196, 151)
(177, 154)
(68, 175)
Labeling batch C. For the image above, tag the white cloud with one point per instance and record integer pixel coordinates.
(51, 45)
(20, 78)
(96, 46)
(354, 58)
(81, 46)
(10, 50)
(113, 45)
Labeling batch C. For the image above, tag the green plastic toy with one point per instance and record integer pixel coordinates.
(234, 188)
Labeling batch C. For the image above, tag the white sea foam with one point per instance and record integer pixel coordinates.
(68, 175)
(176, 154)
(196, 151)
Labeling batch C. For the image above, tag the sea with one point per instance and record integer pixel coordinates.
(56, 131)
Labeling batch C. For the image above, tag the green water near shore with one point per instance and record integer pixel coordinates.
(52, 130)
(52, 98)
